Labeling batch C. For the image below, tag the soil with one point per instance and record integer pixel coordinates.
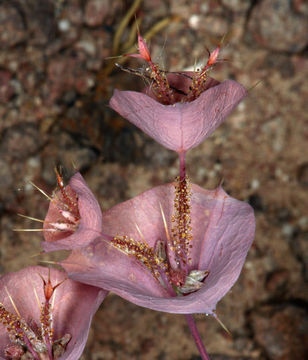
(55, 84)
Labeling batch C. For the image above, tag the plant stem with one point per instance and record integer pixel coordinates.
(195, 333)
(182, 165)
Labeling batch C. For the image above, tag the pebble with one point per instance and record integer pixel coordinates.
(194, 21)
(96, 11)
(275, 25)
(64, 25)
(238, 6)
(287, 230)
(6, 178)
(281, 331)
(12, 29)
(255, 184)
(21, 140)
(302, 175)
(6, 87)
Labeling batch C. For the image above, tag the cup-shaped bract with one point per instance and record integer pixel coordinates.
(74, 217)
(182, 125)
(68, 313)
(140, 264)
(178, 110)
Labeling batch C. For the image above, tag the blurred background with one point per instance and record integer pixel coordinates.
(55, 85)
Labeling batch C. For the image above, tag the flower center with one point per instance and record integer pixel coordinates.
(28, 340)
(170, 88)
(169, 260)
(64, 218)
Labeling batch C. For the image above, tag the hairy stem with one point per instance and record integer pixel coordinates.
(195, 333)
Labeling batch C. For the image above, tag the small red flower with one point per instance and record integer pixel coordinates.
(178, 110)
(44, 315)
(74, 217)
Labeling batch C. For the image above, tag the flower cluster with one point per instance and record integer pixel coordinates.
(44, 315)
(176, 248)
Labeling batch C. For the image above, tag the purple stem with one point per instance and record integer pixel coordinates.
(182, 165)
(195, 333)
(49, 347)
(30, 348)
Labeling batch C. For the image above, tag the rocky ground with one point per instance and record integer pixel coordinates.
(55, 84)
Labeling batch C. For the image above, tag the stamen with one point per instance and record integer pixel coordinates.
(36, 296)
(51, 230)
(140, 233)
(33, 341)
(41, 191)
(181, 230)
(46, 312)
(19, 332)
(54, 297)
(48, 262)
(67, 200)
(12, 302)
(31, 218)
(165, 223)
(221, 324)
(142, 252)
(37, 254)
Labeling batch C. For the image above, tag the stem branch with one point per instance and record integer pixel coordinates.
(195, 333)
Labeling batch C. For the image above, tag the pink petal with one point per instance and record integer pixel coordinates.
(223, 230)
(90, 225)
(74, 305)
(184, 125)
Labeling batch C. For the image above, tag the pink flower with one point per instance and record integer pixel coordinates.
(178, 110)
(43, 315)
(74, 217)
(178, 255)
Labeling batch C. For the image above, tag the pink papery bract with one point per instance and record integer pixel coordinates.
(73, 305)
(88, 226)
(182, 125)
(222, 229)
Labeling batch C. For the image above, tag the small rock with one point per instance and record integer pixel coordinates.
(256, 202)
(281, 331)
(302, 175)
(96, 11)
(28, 76)
(87, 46)
(277, 281)
(21, 140)
(74, 12)
(300, 6)
(157, 157)
(66, 74)
(282, 63)
(237, 5)
(82, 158)
(108, 183)
(64, 25)
(299, 245)
(275, 25)
(12, 30)
(214, 24)
(6, 178)
(6, 88)
(40, 19)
